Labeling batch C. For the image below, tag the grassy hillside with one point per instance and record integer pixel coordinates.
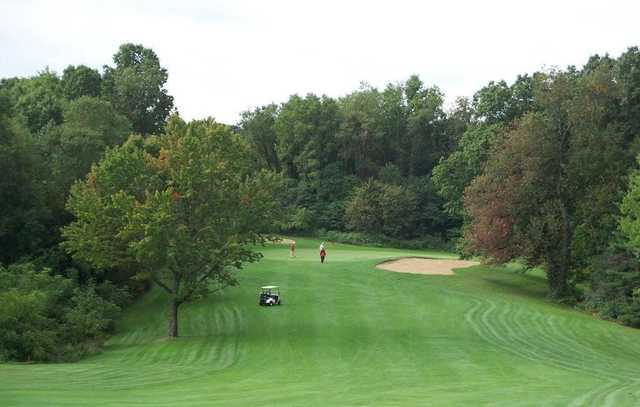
(349, 334)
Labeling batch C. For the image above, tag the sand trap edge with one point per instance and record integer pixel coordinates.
(424, 265)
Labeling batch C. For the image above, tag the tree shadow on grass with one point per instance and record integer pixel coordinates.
(522, 285)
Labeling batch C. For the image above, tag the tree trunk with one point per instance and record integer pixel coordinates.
(559, 263)
(558, 273)
(173, 319)
(566, 242)
(557, 277)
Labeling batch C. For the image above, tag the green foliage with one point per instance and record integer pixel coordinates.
(135, 87)
(78, 81)
(306, 130)
(38, 101)
(363, 211)
(390, 174)
(361, 238)
(552, 174)
(49, 318)
(426, 140)
(361, 135)
(501, 103)
(90, 126)
(53, 130)
(494, 107)
(627, 71)
(534, 171)
(180, 208)
(90, 315)
(22, 211)
(258, 126)
(381, 208)
(454, 173)
(26, 333)
(615, 288)
(326, 148)
(431, 217)
(401, 211)
(630, 209)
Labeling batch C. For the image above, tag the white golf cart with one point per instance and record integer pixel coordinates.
(269, 295)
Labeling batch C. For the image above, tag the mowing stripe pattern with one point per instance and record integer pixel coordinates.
(349, 334)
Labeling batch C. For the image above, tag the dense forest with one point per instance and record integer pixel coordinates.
(105, 190)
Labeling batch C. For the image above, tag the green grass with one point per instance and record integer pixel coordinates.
(351, 335)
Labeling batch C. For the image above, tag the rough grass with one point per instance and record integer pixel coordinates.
(351, 335)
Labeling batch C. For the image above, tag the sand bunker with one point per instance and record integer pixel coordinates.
(283, 241)
(418, 265)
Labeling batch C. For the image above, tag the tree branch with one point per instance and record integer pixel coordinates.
(202, 279)
(161, 284)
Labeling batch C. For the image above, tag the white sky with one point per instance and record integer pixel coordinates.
(225, 57)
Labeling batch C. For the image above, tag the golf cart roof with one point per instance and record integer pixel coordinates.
(269, 287)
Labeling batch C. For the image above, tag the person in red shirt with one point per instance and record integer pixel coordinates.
(323, 253)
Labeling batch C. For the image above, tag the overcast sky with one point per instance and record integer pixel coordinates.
(225, 57)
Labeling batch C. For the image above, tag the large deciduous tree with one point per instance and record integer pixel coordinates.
(361, 136)
(258, 126)
(90, 126)
(21, 189)
(548, 177)
(426, 138)
(380, 208)
(454, 173)
(136, 88)
(181, 209)
(305, 131)
(38, 100)
(78, 81)
(498, 102)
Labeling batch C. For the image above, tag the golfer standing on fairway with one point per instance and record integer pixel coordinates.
(323, 252)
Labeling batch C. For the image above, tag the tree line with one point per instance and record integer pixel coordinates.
(52, 129)
(105, 190)
(541, 171)
(362, 162)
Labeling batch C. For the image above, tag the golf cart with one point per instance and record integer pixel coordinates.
(270, 295)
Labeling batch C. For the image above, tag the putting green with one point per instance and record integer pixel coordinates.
(349, 334)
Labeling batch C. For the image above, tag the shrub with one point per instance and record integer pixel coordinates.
(359, 238)
(379, 208)
(26, 333)
(362, 212)
(90, 315)
(399, 211)
(615, 288)
(51, 318)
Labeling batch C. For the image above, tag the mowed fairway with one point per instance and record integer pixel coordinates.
(351, 335)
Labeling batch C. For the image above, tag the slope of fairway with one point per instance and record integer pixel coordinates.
(349, 334)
